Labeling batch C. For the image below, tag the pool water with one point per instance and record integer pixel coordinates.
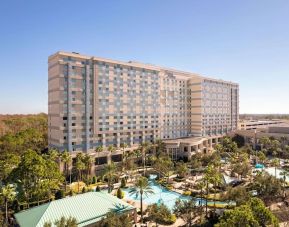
(162, 195)
(271, 171)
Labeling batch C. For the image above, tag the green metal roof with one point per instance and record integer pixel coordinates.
(87, 208)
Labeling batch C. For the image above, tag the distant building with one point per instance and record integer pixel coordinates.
(95, 102)
(88, 209)
(278, 131)
(253, 124)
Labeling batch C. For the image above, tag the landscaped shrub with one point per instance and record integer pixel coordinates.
(160, 214)
(94, 179)
(187, 193)
(97, 189)
(123, 183)
(119, 193)
(83, 190)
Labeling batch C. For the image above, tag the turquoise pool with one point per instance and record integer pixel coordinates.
(161, 194)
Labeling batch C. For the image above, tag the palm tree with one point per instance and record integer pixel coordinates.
(142, 187)
(87, 160)
(98, 150)
(66, 159)
(111, 149)
(159, 147)
(144, 147)
(53, 154)
(201, 186)
(275, 148)
(110, 174)
(123, 146)
(80, 166)
(284, 174)
(283, 141)
(264, 141)
(275, 163)
(208, 178)
(8, 193)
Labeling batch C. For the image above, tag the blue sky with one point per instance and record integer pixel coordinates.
(243, 41)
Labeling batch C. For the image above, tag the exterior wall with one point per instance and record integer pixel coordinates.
(99, 102)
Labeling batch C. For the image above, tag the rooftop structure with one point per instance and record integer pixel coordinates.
(87, 208)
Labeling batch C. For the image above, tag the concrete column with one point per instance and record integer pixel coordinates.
(202, 147)
(196, 148)
(118, 139)
(143, 136)
(87, 105)
(131, 138)
(69, 99)
(189, 153)
(103, 140)
(211, 143)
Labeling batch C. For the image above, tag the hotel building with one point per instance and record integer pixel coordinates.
(100, 102)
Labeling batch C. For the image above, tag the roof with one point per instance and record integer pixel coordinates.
(87, 208)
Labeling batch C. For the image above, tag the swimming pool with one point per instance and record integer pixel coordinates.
(165, 196)
(271, 171)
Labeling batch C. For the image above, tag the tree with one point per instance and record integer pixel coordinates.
(268, 187)
(239, 140)
(159, 147)
(262, 157)
(164, 165)
(264, 141)
(229, 146)
(80, 166)
(201, 185)
(115, 220)
(123, 183)
(63, 222)
(241, 216)
(285, 174)
(141, 188)
(8, 193)
(144, 148)
(212, 176)
(119, 193)
(238, 194)
(123, 146)
(98, 150)
(8, 162)
(36, 177)
(182, 169)
(87, 160)
(186, 209)
(160, 214)
(66, 159)
(111, 149)
(53, 154)
(262, 214)
(275, 162)
(275, 148)
(110, 174)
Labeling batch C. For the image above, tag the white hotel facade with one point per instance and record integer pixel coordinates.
(100, 102)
